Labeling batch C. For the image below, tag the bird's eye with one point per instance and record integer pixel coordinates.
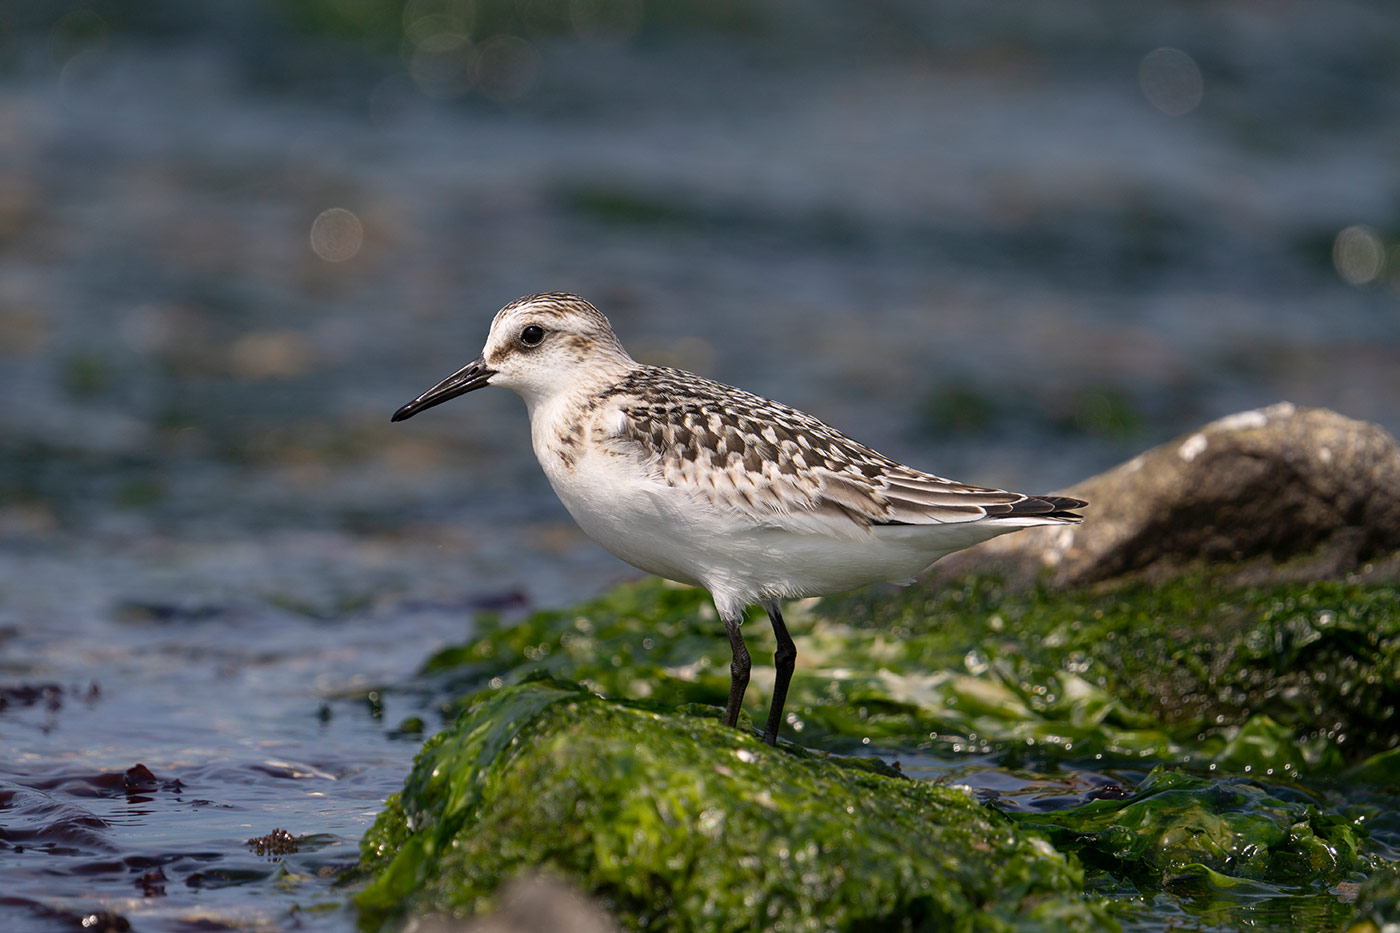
(532, 335)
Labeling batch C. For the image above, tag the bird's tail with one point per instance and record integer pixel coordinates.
(1050, 509)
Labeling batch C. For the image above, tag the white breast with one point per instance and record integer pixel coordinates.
(621, 500)
(614, 495)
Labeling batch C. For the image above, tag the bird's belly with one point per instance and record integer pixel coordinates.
(778, 562)
(683, 536)
(674, 534)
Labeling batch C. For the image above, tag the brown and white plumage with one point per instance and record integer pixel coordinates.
(774, 464)
(703, 483)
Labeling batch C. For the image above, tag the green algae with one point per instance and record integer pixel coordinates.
(677, 822)
(1179, 830)
(1289, 677)
(1273, 681)
(638, 640)
(1267, 713)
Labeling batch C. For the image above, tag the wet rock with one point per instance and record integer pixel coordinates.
(1299, 678)
(104, 921)
(136, 784)
(274, 845)
(1183, 831)
(531, 904)
(1281, 493)
(674, 820)
(1377, 903)
(152, 883)
(49, 694)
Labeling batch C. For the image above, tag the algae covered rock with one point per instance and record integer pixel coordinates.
(1271, 708)
(1178, 829)
(1288, 679)
(676, 822)
(1304, 486)
(1284, 679)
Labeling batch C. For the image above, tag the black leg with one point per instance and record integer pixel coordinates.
(783, 660)
(738, 671)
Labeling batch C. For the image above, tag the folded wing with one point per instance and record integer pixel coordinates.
(778, 466)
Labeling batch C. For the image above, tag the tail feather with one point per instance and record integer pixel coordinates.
(1050, 507)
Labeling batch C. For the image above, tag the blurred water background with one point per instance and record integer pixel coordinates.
(1011, 243)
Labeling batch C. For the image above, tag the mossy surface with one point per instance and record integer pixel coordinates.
(1284, 680)
(1174, 822)
(1319, 661)
(1249, 733)
(677, 822)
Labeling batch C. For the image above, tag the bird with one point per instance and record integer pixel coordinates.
(708, 485)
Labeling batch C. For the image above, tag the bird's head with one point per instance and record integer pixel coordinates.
(539, 345)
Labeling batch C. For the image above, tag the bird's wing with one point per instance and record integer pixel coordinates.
(774, 464)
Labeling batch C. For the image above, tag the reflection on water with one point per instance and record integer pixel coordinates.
(1006, 247)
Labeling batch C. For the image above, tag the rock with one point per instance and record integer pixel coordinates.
(1201, 834)
(532, 903)
(1377, 903)
(1282, 493)
(674, 821)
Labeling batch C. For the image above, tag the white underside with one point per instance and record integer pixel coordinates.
(676, 534)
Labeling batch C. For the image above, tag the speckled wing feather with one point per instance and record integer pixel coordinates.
(757, 457)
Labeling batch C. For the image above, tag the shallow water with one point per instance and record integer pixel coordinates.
(974, 245)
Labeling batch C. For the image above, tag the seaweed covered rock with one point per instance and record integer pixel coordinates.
(1184, 831)
(1273, 707)
(676, 822)
(1290, 493)
(1287, 679)
(1297, 678)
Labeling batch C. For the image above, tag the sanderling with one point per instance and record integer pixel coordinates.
(705, 484)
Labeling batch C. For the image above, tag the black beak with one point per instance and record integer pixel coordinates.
(472, 376)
